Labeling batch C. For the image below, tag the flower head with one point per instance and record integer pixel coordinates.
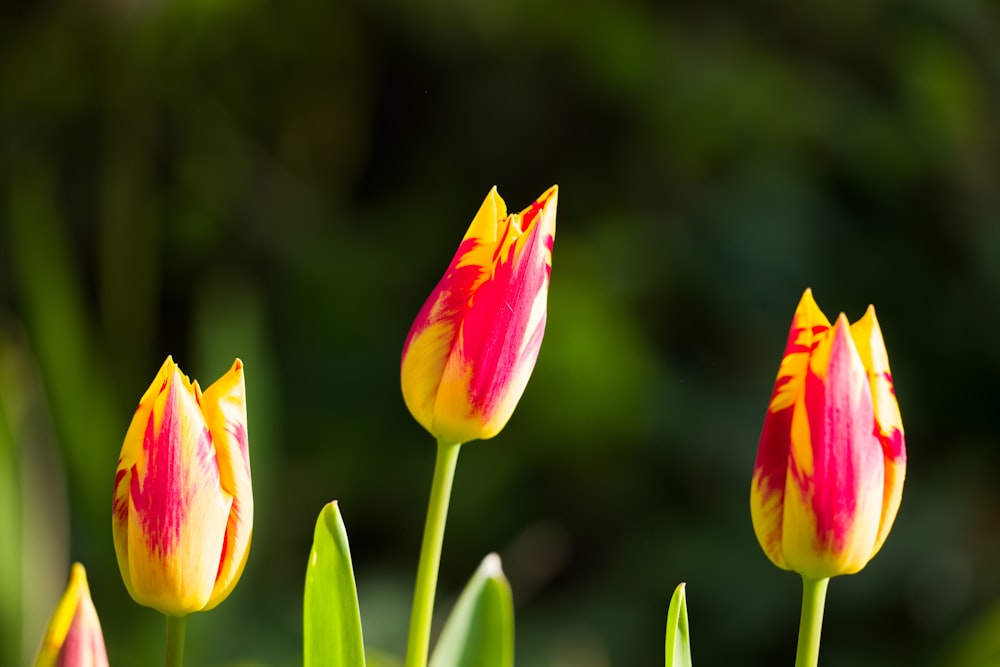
(74, 637)
(472, 347)
(183, 505)
(829, 473)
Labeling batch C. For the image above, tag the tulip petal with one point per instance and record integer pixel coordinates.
(835, 467)
(127, 462)
(504, 323)
(809, 325)
(435, 331)
(888, 422)
(224, 407)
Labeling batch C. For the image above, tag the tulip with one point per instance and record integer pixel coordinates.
(74, 637)
(468, 357)
(829, 472)
(473, 345)
(183, 505)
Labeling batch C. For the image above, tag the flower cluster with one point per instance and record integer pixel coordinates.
(826, 487)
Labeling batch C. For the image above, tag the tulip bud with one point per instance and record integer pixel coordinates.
(830, 466)
(183, 504)
(472, 347)
(74, 637)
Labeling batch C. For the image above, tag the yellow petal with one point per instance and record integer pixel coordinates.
(224, 406)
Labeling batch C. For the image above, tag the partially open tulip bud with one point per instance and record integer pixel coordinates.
(829, 473)
(183, 505)
(474, 344)
(74, 637)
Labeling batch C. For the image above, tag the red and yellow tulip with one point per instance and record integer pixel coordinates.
(829, 472)
(183, 504)
(474, 343)
(74, 638)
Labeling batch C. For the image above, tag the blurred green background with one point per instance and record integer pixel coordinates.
(286, 181)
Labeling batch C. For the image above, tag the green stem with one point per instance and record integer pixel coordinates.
(811, 621)
(418, 644)
(175, 640)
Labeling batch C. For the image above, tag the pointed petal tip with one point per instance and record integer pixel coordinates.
(78, 576)
(870, 313)
(807, 305)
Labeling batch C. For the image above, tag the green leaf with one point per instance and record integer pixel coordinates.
(678, 647)
(480, 630)
(331, 620)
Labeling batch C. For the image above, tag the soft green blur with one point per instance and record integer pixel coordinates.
(286, 181)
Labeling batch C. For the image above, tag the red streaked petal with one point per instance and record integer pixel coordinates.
(132, 459)
(809, 327)
(771, 468)
(867, 336)
(504, 325)
(847, 473)
(434, 335)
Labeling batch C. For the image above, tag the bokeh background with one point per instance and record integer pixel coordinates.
(286, 181)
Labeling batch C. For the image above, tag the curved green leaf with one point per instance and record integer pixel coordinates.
(331, 623)
(678, 648)
(480, 630)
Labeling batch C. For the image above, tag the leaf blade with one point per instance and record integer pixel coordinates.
(678, 644)
(479, 631)
(331, 620)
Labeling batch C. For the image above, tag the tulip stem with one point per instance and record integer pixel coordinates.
(418, 644)
(175, 640)
(811, 621)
